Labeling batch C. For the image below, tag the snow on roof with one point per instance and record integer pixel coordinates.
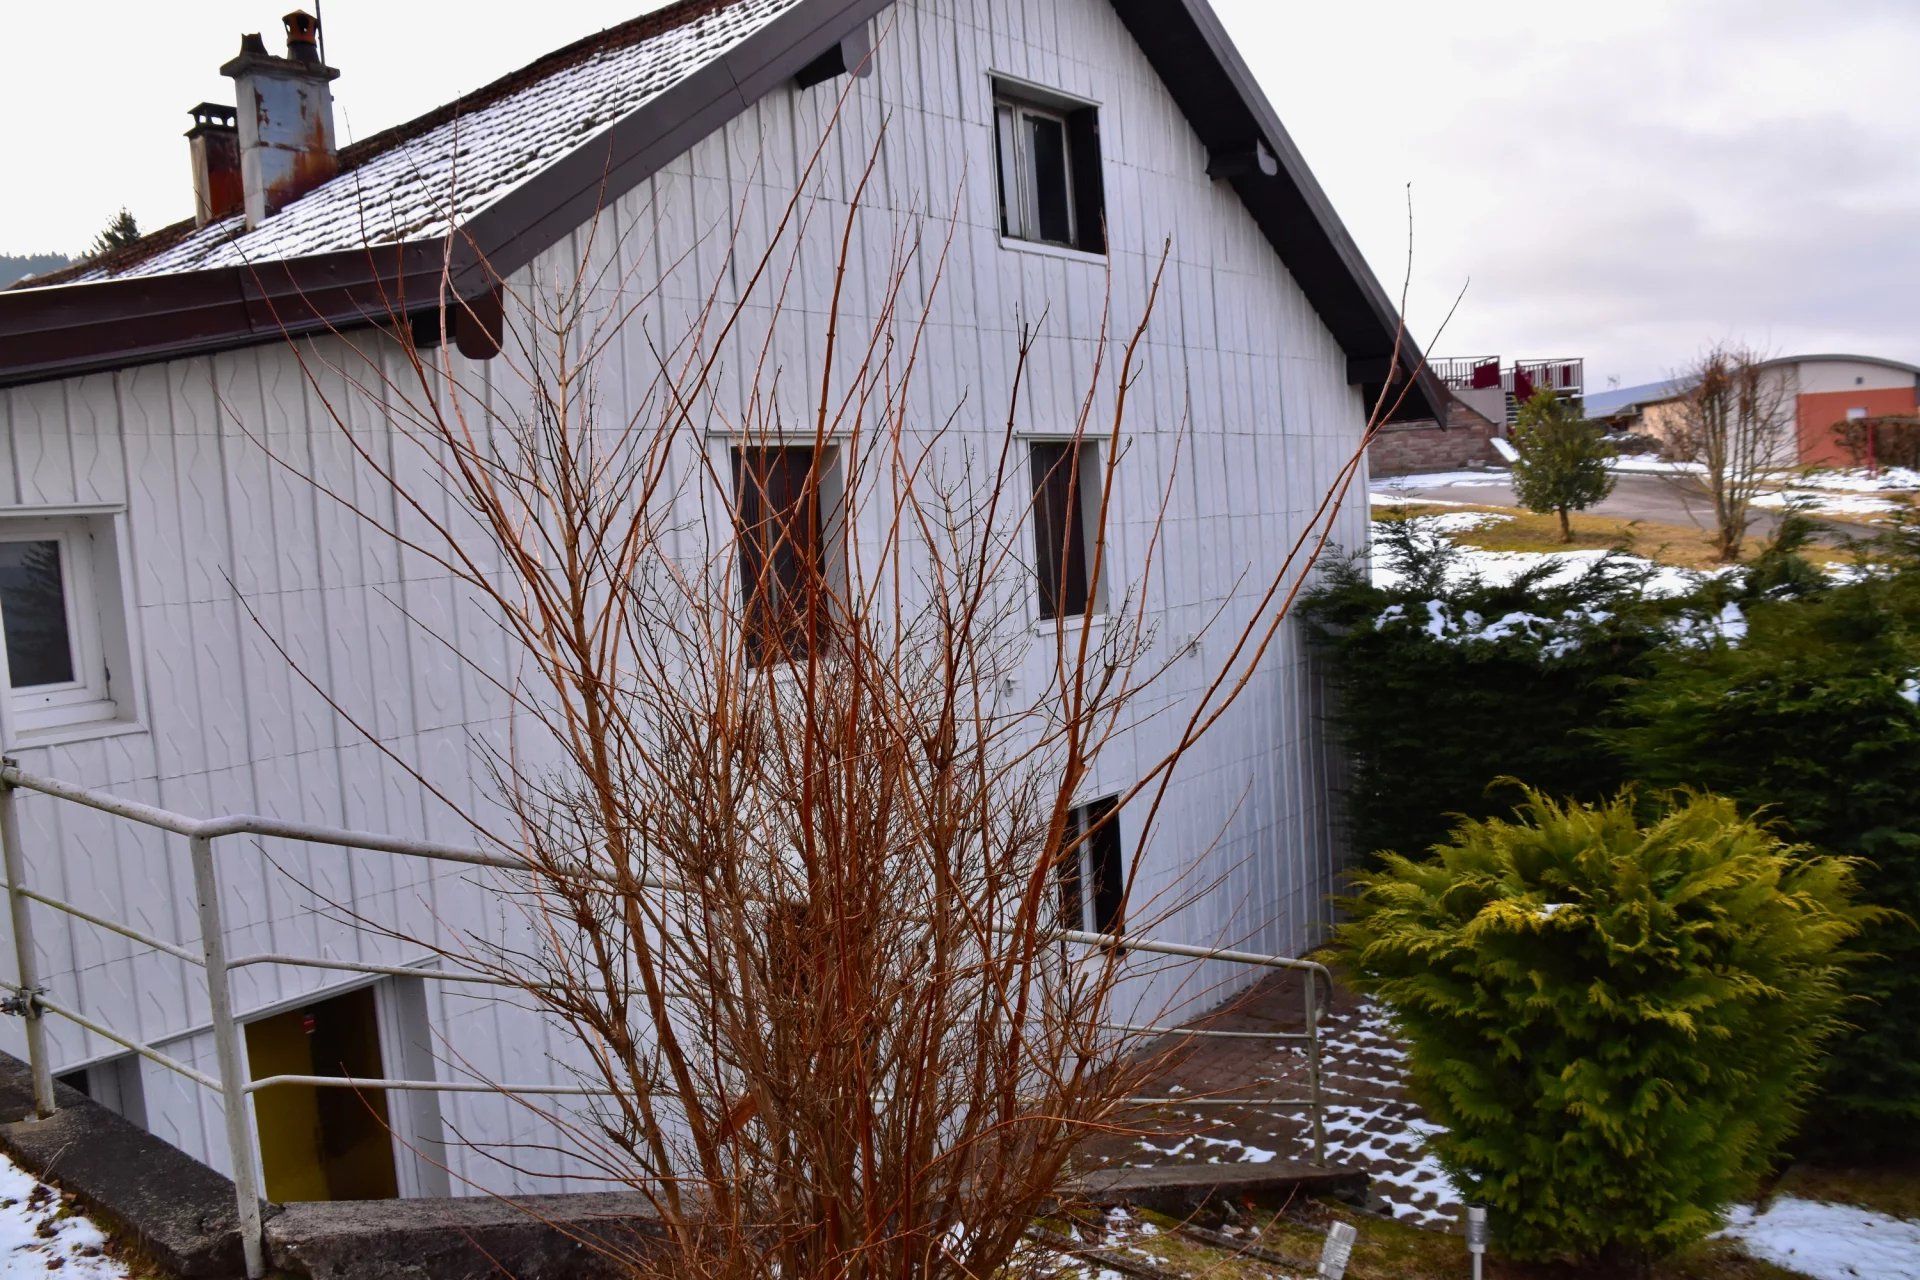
(415, 183)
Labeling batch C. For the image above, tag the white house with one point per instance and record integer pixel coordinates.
(144, 526)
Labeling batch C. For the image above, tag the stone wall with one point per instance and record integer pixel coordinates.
(1405, 448)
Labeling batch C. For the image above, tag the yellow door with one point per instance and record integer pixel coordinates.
(322, 1144)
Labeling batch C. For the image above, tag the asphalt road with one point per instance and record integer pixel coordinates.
(1664, 499)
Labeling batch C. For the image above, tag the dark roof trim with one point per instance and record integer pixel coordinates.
(60, 330)
(1226, 107)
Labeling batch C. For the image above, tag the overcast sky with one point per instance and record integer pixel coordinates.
(1626, 180)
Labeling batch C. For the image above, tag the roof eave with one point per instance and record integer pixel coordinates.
(62, 330)
(1225, 105)
(66, 329)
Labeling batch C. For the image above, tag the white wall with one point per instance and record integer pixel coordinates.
(1816, 376)
(217, 529)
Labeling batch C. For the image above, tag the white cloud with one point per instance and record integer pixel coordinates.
(1622, 180)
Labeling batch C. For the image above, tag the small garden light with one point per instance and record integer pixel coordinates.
(1477, 1235)
(1337, 1251)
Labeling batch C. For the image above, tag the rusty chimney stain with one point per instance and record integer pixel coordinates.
(285, 118)
(214, 146)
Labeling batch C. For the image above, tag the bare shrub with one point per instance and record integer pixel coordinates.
(794, 833)
(1736, 420)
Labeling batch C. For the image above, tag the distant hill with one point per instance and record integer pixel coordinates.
(17, 266)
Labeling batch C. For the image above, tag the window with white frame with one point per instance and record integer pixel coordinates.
(1047, 158)
(60, 610)
(1066, 507)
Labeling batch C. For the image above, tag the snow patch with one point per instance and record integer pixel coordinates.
(39, 1237)
(1858, 480)
(1644, 464)
(1828, 1241)
(1832, 504)
(1443, 480)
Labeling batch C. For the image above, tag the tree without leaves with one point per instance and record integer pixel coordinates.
(798, 916)
(1563, 460)
(1736, 420)
(121, 230)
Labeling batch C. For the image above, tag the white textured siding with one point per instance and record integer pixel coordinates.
(1237, 359)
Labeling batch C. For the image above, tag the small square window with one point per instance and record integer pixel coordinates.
(1093, 876)
(1047, 159)
(60, 612)
(1066, 506)
(787, 551)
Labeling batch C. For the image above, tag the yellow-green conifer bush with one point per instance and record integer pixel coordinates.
(1614, 1020)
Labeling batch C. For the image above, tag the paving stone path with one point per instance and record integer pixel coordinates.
(1370, 1123)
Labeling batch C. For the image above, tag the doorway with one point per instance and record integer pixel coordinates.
(323, 1143)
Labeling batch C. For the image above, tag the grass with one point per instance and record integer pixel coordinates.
(1389, 1250)
(1892, 1189)
(1682, 546)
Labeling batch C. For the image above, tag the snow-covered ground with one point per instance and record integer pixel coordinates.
(1828, 1241)
(1829, 502)
(1858, 480)
(40, 1235)
(1386, 1138)
(1500, 568)
(1442, 480)
(1650, 464)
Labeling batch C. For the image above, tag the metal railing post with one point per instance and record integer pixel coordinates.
(1313, 1068)
(226, 1043)
(28, 969)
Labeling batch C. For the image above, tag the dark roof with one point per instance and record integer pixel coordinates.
(541, 149)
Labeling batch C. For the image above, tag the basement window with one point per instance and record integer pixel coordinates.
(60, 609)
(1047, 158)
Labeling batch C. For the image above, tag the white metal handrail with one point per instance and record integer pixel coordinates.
(31, 1002)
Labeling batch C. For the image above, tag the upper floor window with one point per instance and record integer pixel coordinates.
(1066, 504)
(1048, 162)
(783, 499)
(60, 612)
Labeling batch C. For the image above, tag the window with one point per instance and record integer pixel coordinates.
(60, 610)
(786, 583)
(1093, 883)
(1066, 500)
(1048, 162)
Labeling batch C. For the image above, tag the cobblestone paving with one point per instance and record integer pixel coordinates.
(1370, 1123)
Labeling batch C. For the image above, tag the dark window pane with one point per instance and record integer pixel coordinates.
(1089, 188)
(33, 606)
(1068, 872)
(781, 554)
(1059, 532)
(1053, 195)
(1109, 873)
(1099, 851)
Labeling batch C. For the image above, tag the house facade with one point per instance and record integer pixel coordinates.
(196, 620)
(1832, 406)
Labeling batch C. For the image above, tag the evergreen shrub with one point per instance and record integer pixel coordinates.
(1813, 716)
(1615, 1023)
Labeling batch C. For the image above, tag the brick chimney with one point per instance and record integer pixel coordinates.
(285, 109)
(214, 145)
